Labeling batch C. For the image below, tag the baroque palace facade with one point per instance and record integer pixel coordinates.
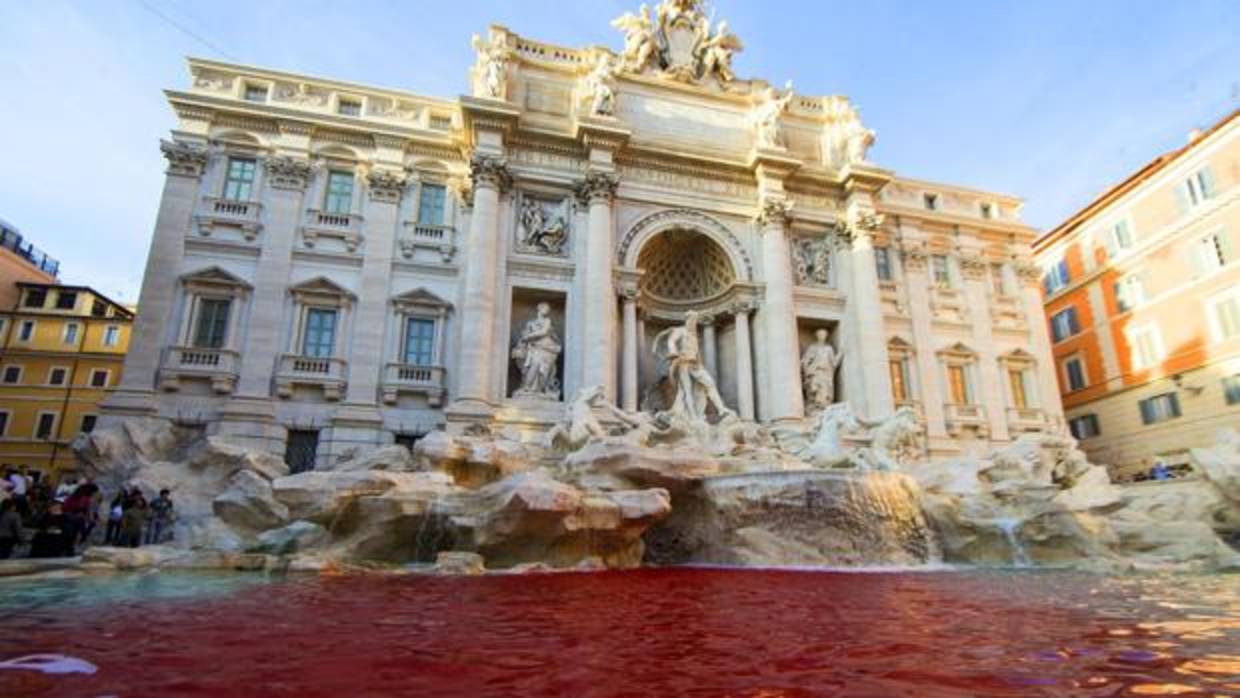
(337, 266)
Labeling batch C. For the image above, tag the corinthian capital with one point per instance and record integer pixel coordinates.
(285, 172)
(490, 171)
(184, 159)
(598, 186)
(774, 211)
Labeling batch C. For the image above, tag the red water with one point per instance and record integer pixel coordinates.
(652, 633)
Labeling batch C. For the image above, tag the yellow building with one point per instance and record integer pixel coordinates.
(61, 350)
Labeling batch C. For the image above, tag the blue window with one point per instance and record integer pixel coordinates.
(339, 192)
(419, 341)
(239, 182)
(430, 204)
(1056, 277)
(1231, 389)
(320, 335)
(1064, 324)
(1160, 408)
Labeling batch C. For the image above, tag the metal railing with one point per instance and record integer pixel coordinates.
(12, 240)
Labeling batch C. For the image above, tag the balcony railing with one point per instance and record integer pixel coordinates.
(12, 240)
(244, 215)
(410, 378)
(1026, 419)
(439, 238)
(320, 225)
(960, 417)
(219, 366)
(328, 373)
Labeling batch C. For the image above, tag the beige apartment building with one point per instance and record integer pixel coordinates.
(1142, 292)
(336, 266)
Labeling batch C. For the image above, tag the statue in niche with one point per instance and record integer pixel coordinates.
(491, 78)
(818, 366)
(693, 387)
(543, 227)
(535, 354)
(812, 261)
(767, 116)
(602, 96)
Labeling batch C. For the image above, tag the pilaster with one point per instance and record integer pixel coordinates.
(782, 399)
(861, 185)
(598, 349)
(992, 380)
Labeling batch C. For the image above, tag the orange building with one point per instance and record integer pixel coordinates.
(1142, 293)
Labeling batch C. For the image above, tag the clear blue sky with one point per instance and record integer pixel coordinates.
(1051, 100)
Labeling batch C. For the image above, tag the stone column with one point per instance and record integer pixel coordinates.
(744, 363)
(134, 395)
(990, 375)
(490, 179)
(359, 419)
(929, 384)
(248, 419)
(782, 396)
(868, 317)
(1040, 343)
(709, 348)
(629, 392)
(598, 349)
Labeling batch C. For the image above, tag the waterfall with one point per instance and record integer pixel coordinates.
(1020, 557)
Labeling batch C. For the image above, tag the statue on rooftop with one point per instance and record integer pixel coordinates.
(768, 114)
(598, 86)
(491, 71)
(639, 40)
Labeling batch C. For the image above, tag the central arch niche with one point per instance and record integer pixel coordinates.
(684, 268)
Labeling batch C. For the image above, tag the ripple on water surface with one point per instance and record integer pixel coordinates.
(647, 632)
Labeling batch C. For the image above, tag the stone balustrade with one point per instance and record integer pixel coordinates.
(401, 378)
(219, 366)
(439, 238)
(216, 211)
(961, 417)
(320, 225)
(1023, 419)
(328, 373)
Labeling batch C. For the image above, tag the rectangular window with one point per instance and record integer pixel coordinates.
(4, 423)
(1226, 312)
(1084, 426)
(942, 273)
(45, 426)
(899, 380)
(419, 341)
(111, 335)
(88, 423)
(211, 326)
(301, 450)
(931, 201)
(339, 197)
(1064, 324)
(253, 93)
(71, 333)
(1197, 189)
(66, 300)
(26, 332)
(431, 203)
(958, 383)
(319, 337)
(1056, 277)
(1231, 389)
(56, 376)
(1160, 408)
(997, 280)
(441, 123)
(1021, 390)
(988, 211)
(35, 297)
(1146, 347)
(1211, 253)
(882, 263)
(1074, 369)
(349, 107)
(99, 378)
(239, 179)
(12, 375)
(98, 308)
(1120, 239)
(1129, 292)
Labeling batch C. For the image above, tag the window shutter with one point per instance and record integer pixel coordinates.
(1147, 412)
(1063, 272)
(1073, 325)
(1224, 245)
(1207, 183)
(1173, 402)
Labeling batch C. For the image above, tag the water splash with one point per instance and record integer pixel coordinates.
(1010, 528)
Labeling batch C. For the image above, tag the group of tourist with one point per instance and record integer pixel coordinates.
(60, 521)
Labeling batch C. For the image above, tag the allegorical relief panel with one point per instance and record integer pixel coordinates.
(543, 225)
(812, 261)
